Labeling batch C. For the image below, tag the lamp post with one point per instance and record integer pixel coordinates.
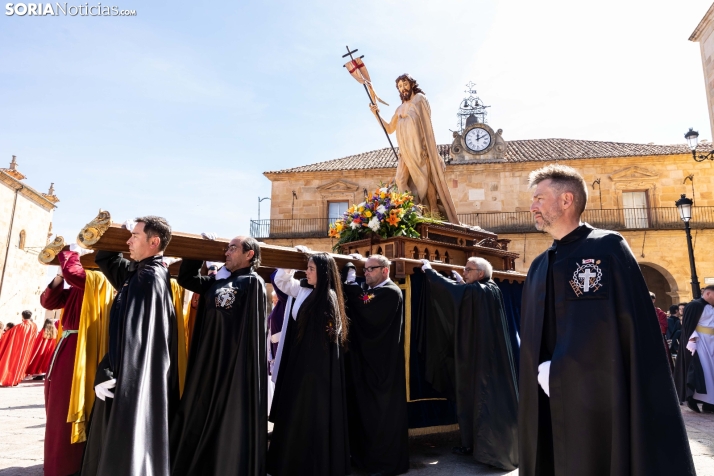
(684, 205)
(260, 200)
(692, 137)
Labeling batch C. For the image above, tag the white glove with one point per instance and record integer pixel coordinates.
(223, 273)
(168, 261)
(209, 236)
(356, 256)
(103, 390)
(692, 346)
(303, 249)
(426, 265)
(544, 376)
(457, 276)
(351, 275)
(129, 225)
(74, 247)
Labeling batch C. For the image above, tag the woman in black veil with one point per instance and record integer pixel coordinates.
(308, 411)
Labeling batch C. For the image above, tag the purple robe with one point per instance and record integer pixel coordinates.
(275, 320)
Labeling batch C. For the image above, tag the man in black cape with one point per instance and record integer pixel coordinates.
(596, 390)
(376, 382)
(221, 425)
(690, 375)
(470, 359)
(137, 381)
(674, 329)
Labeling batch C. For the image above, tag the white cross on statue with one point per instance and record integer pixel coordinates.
(586, 277)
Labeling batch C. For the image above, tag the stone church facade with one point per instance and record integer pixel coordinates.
(25, 227)
(632, 189)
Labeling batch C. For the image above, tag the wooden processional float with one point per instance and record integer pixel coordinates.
(440, 242)
(447, 246)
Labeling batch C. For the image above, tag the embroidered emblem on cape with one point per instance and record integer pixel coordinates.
(226, 297)
(587, 277)
(367, 297)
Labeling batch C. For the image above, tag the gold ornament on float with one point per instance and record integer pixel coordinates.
(50, 251)
(94, 230)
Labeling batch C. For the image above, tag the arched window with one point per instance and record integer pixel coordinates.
(447, 260)
(21, 245)
(415, 253)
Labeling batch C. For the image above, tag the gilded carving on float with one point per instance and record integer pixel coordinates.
(50, 251)
(94, 230)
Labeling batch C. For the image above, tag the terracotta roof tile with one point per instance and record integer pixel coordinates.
(534, 150)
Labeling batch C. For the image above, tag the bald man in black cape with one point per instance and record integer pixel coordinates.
(376, 382)
(221, 425)
(471, 359)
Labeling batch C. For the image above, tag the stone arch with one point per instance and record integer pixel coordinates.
(662, 283)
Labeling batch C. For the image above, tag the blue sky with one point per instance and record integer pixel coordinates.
(178, 110)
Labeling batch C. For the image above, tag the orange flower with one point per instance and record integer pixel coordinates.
(393, 219)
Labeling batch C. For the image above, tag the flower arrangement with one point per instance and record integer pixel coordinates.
(387, 213)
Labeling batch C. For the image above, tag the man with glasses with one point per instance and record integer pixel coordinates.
(471, 357)
(221, 425)
(376, 386)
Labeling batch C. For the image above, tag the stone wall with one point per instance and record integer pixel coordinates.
(704, 34)
(24, 278)
(503, 187)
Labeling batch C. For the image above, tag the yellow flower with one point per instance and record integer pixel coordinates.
(367, 213)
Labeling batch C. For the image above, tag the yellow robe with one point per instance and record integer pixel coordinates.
(92, 342)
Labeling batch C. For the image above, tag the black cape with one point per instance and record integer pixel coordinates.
(674, 333)
(470, 357)
(376, 382)
(309, 410)
(612, 400)
(221, 424)
(688, 372)
(129, 434)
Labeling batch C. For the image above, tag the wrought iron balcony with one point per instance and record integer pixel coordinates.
(655, 218)
(291, 228)
(660, 218)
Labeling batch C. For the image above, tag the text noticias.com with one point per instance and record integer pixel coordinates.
(57, 9)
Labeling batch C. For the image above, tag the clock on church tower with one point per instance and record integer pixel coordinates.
(475, 140)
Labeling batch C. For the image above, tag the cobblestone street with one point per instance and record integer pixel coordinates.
(22, 419)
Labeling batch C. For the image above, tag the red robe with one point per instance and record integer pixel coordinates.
(16, 351)
(61, 456)
(42, 353)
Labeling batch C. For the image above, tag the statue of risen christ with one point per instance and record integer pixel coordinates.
(420, 169)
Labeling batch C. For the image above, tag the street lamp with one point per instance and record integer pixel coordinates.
(684, 205)
(692, 137)
(260, 200)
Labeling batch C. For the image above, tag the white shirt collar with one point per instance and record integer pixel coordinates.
(386, 281)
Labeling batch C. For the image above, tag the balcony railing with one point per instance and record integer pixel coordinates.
(290, 228)
(659, 218)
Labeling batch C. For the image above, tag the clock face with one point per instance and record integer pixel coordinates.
(477, 139)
